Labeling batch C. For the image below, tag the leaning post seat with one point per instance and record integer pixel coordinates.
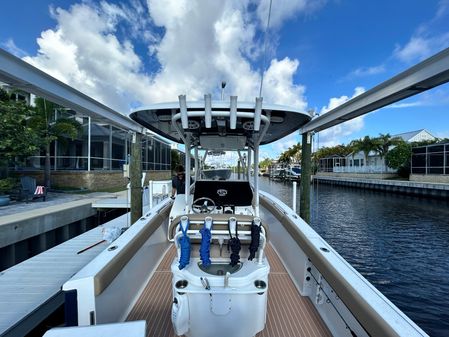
(215, 300)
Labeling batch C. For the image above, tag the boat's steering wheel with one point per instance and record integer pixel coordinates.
(203, 207)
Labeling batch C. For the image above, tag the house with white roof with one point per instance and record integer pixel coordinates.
(415, 136)
(355, 162)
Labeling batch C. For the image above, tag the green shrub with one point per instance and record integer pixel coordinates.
(6, 185)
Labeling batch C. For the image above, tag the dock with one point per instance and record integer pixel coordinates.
(31, 290)
(435, 190)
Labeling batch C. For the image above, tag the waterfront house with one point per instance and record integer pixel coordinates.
(95, 158)
(374, 164)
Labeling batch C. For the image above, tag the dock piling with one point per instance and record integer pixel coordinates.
(305, 177)
(294, 196)
(135, 170)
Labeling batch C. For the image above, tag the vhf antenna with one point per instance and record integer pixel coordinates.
(223, 85)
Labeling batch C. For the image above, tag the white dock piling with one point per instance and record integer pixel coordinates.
(294, 196)
(151, 194)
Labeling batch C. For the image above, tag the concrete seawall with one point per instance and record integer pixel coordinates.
(435, 190)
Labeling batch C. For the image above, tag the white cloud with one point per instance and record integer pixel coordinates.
(367, 71)
(10, 46)
(334, 135)
(84, 52)
(282, 10)
(273, 150)
(443, 9)
(420, 47)
(428, 38)
(92, 48)
(279, 87)
(405, 105)
(416, 49)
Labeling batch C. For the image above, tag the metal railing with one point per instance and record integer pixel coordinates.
(80, 163)
(358, 169)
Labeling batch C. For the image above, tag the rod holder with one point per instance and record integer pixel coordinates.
(208, 222)
(184, 223)
(232, 224)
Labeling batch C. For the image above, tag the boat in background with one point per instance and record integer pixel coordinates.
(215, 172)
(225, 259)
(283, 172)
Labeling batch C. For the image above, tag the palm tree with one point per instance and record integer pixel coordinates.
(285, 158)
(51, 129)
(295, 153)
(292, 154)
(366, 145)
(383, 144)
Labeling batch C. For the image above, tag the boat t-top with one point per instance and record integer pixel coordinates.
(225, 259)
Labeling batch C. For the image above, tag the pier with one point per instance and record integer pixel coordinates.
(29, 229)
(30, 291)
(435, 190)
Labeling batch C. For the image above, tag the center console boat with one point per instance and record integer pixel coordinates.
(225, 259)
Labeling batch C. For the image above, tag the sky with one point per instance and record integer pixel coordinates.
(318, 54)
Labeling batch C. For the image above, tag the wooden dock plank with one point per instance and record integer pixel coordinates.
(28, 285)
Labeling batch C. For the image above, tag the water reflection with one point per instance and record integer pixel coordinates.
(399, 243)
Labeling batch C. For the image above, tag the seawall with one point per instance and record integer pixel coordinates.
(434, 190)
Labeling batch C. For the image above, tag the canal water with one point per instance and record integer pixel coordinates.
(399, 243)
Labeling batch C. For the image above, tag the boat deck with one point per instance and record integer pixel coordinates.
(289, 314)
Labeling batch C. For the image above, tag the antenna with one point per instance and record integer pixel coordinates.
(265, 49)
(223, 85)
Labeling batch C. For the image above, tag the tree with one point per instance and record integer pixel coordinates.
(50, 129)
(295, 152)
(284, 158)
(175, 159)
(325, 152)
(264, 164)
(366, 145)
(383, 143)
(399, 158)
(19, 140)
(292, 154)
(338, 150)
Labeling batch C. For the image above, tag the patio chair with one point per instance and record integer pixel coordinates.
(30, 191)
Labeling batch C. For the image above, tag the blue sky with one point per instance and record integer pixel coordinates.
(320, 53)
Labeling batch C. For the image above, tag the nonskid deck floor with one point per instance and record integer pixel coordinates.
(289, 314)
